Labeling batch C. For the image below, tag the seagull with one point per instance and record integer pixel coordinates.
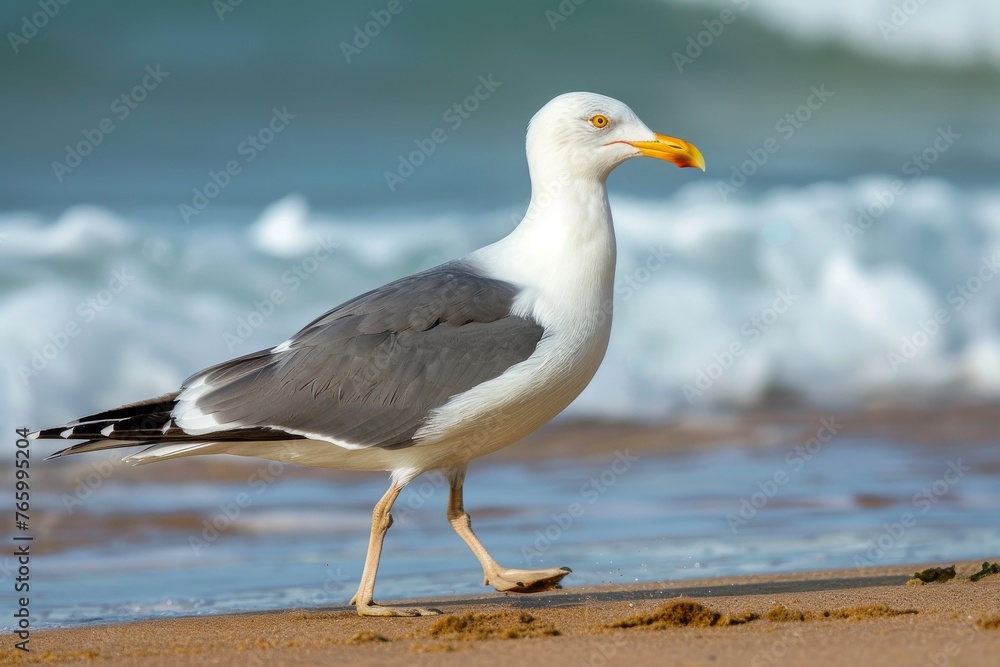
(435, 369)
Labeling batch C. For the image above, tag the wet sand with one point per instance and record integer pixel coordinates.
(956, 623)
(935, 423)
(863, 617)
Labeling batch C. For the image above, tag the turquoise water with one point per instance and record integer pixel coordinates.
(354, 118)
(924, 256)
(281, 141)
(301, 543)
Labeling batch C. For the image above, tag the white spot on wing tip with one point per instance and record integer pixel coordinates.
(106, 431)
(282, 347)
(65, 434)
(188, 417)
(194, 422)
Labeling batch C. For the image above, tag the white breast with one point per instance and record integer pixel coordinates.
(564, 261)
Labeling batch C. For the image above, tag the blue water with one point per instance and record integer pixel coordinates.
(301, 543)
(319, 181)
(883, 244)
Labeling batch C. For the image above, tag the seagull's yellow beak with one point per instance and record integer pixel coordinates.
(671, 149)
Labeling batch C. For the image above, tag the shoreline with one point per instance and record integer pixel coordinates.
(580, 614)
(929, 423)
(855, 616)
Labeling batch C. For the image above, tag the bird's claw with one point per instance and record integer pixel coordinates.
(527, 581)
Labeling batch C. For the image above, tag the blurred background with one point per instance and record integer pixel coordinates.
(185, 182)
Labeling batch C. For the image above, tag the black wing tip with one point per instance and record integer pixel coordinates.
(61, 453)
(54, 433)
(161, 406)
(100, 445)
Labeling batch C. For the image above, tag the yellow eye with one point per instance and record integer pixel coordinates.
(600, 121)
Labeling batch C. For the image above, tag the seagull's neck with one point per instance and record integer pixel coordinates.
(563, 250)
(569, 220)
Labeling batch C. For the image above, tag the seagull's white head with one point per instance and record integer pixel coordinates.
(587, 135)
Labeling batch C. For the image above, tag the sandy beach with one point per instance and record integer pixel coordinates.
(754, 372)
(862, 617)
(828, 617)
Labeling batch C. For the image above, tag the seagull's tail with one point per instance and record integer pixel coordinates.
(134, 424)
(148, 423)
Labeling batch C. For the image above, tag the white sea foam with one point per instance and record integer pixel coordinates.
(952, 32)
(80, 229)
(851, 305)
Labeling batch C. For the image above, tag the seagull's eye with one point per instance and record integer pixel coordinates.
(600, 121)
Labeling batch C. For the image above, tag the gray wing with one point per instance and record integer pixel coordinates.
(369, 371)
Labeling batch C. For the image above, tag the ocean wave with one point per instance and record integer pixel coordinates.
(815, 292)
(958, 32)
